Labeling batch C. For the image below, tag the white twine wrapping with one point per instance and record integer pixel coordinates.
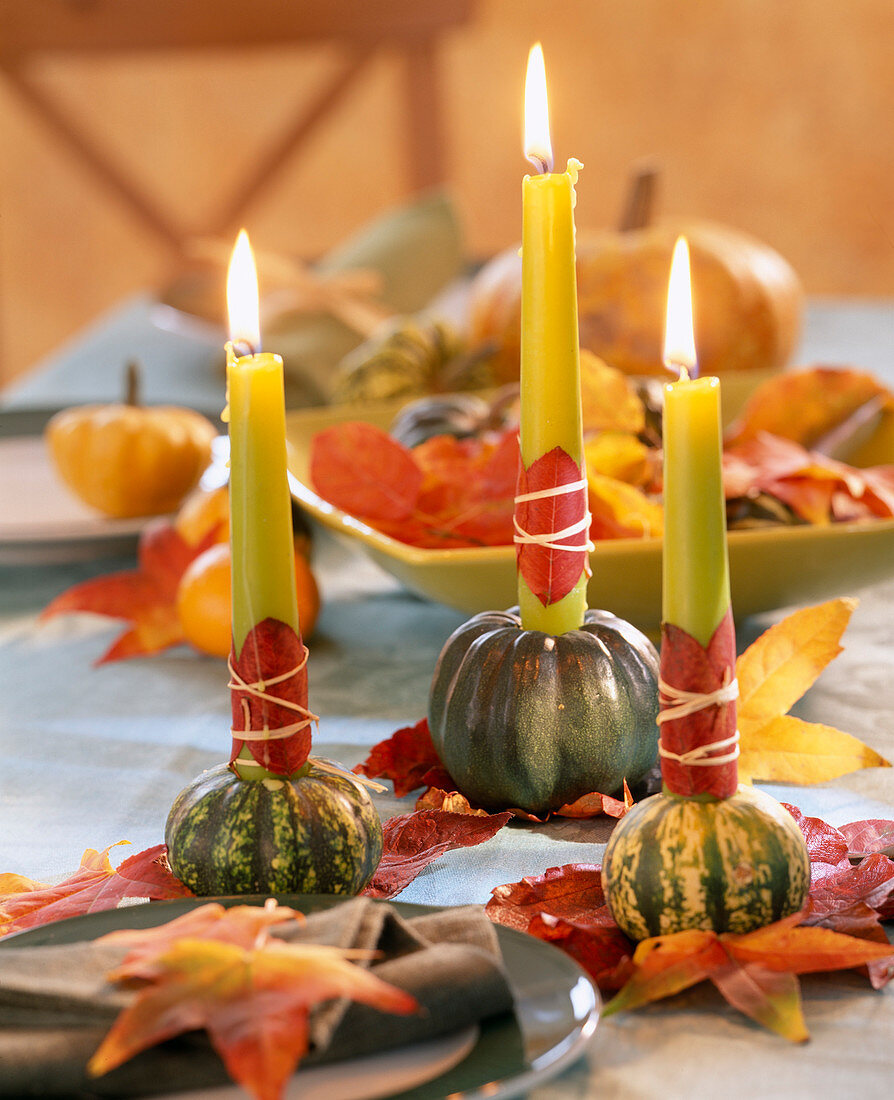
(257, 690)
(683, 703)
(549, 539)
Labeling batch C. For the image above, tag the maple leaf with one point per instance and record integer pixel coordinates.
(144, 597)
(405, 757)
(253, 1002)
(773, 673)
(241, 925)
(754, 971)
(413, 841)
(94, 886)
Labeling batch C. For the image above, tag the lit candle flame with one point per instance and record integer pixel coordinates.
(679, 338)
(242, 295)
(538, 147)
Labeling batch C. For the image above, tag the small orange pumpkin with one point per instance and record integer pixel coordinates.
(128, 459)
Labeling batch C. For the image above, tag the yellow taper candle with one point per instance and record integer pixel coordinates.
(695, 583)
(550, 356)
(262, 551)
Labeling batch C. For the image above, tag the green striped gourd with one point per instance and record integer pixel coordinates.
(731, 865)
(316, 833)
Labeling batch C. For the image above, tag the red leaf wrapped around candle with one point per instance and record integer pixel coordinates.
(687, 666)
(556, 522)
(268, 689)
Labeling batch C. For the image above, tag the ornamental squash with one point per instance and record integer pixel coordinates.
(732, 865)
(316, 833)
(533, 721)
(749, 300)
(129, 459)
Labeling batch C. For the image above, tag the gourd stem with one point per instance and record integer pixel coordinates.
(132, 385)
(639, 205)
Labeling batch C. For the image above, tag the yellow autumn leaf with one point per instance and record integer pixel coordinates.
(789, 750)
(776, 670)
(621, 456)
(609, 401)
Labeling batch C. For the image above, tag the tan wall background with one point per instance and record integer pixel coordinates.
(775, 117)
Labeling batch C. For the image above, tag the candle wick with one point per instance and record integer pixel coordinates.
(541, 165)
(244, 347)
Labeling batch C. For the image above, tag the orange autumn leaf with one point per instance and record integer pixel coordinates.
(241, 925)
(806, 405)
(94, 886)
(773, 673)
(745, 969)
(253, 1002)
(609, 401)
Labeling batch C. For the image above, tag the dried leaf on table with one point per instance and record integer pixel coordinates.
(866, 837)
(145, 597)
(94, 886)
(825, 843)
(740, 967)
(413, 841)
(434, 798)
(773, 673)
(790, 750)
(404, 758)
(806, 405)
(253, 1001)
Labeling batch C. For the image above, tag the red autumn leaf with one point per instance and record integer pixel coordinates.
(365, 472)
(550, 573)
(571, 893)
(825, 843)
(404, 758)
(686, 663)
(272, 654)
(413, 841)
(604, 952)
(871, 881)
(866, 837)
(144, 597)
(94, 886)
(253, 1002)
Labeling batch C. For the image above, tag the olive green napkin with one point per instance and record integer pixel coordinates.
(55, 1006)
(416, 249)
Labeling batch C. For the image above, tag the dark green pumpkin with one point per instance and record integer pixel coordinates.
(317, 833)
(674, 864)
(529, 720)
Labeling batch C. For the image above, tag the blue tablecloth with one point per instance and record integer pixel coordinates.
(96, 755)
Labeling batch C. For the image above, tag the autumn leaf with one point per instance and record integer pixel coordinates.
(434, 798)
(773, 673)
(618, 510)
(413, 841)
(364, 471)
(806, 405)
(866, 837)
(241, 925)
(94, 886)
(405, 757)
(572, 893)
(609, 401)
(740, 966)
(790, 750)
(144, 597)
(253, 1002)
(825, 843)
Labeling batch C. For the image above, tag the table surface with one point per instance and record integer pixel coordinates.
(94, 755)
